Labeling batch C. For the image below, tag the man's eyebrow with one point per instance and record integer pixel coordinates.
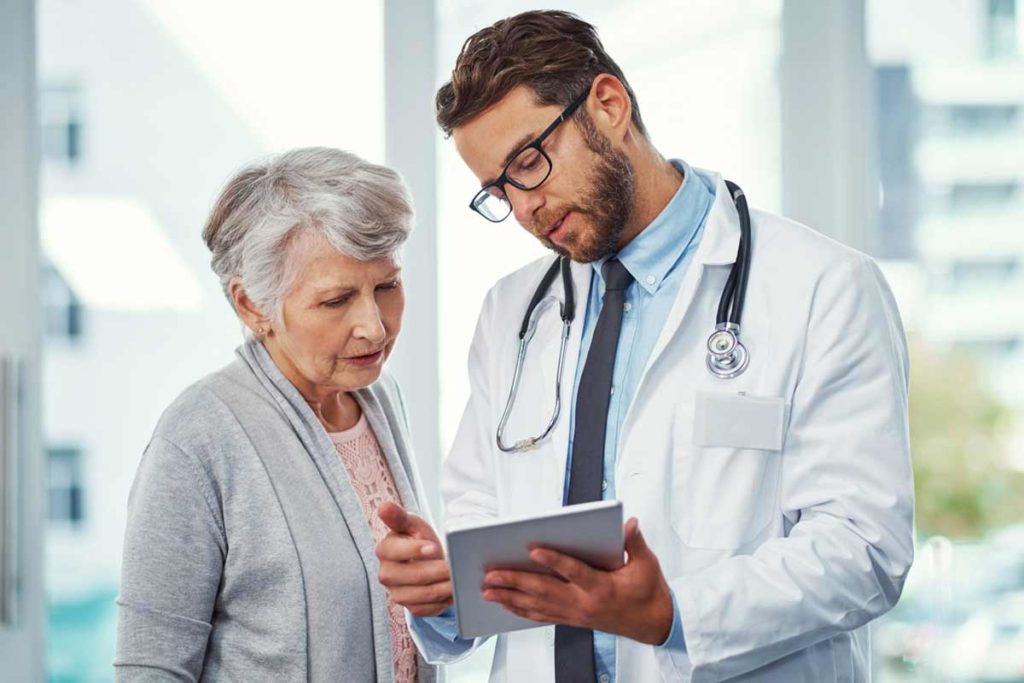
(515, 149)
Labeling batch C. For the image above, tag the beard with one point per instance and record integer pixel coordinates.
(607, 205)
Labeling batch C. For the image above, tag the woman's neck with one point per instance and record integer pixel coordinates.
(337, 412)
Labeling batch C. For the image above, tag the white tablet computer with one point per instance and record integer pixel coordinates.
(589, 531)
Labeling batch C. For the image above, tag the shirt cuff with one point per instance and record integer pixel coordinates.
(437, 638)
(445, 625)
(676, 640)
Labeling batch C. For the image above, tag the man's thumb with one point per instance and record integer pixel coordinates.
(635, 543)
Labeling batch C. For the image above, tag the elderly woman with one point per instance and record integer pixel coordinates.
(249, 553)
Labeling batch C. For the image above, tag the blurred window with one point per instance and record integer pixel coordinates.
(967, 274)
(60, 116)
(989, 348)
(62, 310)
(960, 617)
(1001, 28)
(975, 196)
(974, 119)
(65, 491)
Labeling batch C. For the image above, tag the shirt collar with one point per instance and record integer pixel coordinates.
(650, 256)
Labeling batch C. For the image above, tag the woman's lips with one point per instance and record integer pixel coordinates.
(365, 361)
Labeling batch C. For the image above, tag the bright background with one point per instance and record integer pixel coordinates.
(147, 106)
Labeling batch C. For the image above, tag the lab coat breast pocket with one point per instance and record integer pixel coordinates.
(726, 468)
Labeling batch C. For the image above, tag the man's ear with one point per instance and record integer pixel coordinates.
(251, 315)
(609, 106)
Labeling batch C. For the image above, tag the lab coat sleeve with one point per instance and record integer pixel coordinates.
(468, 487)
(437, 638)
(673, 658)
(846, 488)
(174, 552)
(468, 478)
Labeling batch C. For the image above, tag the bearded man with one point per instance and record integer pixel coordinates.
(775, 496)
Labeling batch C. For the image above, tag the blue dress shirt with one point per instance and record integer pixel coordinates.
(657, 259)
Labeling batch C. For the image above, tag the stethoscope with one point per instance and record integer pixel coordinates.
(727, 356)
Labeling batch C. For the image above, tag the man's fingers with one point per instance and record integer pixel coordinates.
(533, 615)
(532, 583)
(568, 567)
(394, 574)
(521, 604)
(408, 596)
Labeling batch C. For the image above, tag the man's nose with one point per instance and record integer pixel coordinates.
(525, 204)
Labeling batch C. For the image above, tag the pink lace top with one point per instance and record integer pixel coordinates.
(371, 477)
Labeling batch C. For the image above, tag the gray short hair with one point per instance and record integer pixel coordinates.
(363, 210)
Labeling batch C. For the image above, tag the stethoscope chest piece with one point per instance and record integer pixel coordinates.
(727, 356)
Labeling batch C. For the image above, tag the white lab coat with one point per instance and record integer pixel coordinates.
(778, 557)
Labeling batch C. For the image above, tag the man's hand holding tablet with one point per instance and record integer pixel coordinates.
(544, 586)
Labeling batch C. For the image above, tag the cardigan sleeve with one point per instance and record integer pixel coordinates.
(173, 560)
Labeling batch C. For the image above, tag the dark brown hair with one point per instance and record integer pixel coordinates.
(555, 53)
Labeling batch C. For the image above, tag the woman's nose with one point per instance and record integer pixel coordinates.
(370, 326)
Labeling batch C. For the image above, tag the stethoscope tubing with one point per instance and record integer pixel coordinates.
(729, 314)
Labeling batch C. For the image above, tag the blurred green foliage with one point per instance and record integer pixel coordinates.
(960, 437)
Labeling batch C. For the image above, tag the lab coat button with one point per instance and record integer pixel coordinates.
(604, 484)
(604, 678)
(627, 306)
(651, 279)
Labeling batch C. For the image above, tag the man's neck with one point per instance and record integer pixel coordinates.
(655, 182)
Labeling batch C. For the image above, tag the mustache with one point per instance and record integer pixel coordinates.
(541, 224)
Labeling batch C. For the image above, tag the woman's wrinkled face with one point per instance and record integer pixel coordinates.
(339, 321)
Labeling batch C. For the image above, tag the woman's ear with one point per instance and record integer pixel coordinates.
(251, 315)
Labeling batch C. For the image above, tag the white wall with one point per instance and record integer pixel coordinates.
(21, 620)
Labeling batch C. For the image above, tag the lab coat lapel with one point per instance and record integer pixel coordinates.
(581, 274)
(717, 248)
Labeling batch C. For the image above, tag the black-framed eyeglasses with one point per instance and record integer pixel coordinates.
(527, 169)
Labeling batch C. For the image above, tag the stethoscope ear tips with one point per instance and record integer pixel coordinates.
(727, 357)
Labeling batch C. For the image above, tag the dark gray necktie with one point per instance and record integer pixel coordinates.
(574, 647)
